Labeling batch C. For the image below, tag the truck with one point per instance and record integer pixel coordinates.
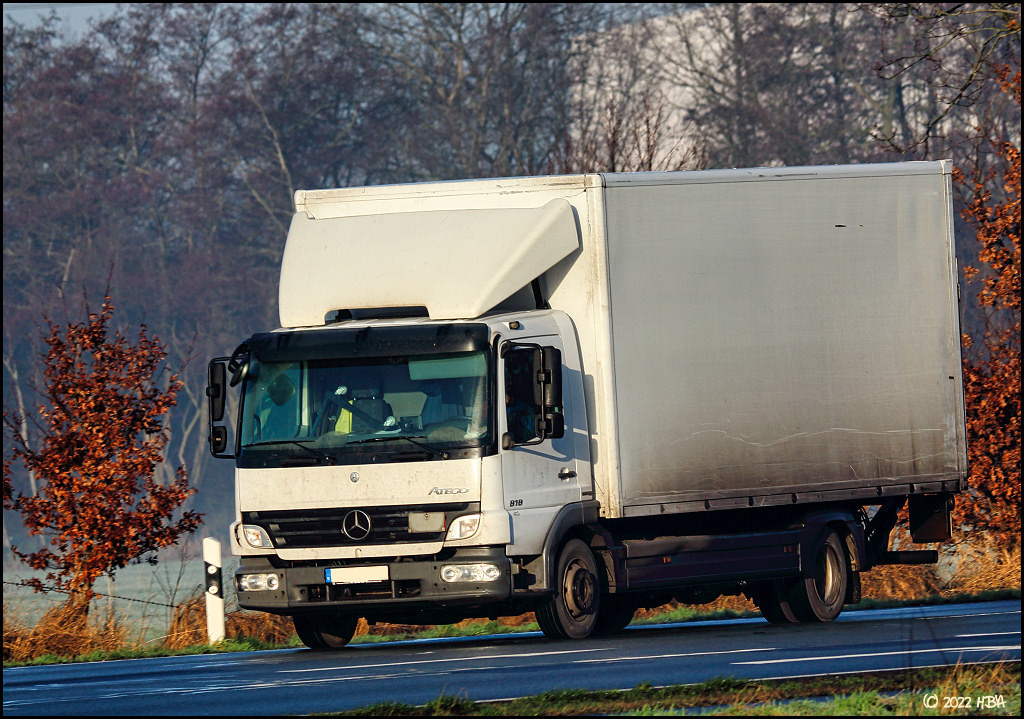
(582, 395)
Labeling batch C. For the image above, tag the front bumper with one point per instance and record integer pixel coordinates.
(410, 586)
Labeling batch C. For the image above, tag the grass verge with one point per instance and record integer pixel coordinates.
(991, 690)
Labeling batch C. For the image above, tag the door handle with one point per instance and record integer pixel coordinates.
(566, 473)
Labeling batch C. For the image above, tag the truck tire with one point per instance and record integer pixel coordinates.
(325, 631)
(773, 601)
(572, 611)
(820, 597)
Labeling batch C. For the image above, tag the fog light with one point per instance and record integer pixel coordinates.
(470, 572)
(258, 582)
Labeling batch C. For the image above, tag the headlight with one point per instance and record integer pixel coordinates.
(464, 527)
(470, 572)
(256, 537)
(258, 582)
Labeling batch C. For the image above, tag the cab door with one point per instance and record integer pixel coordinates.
(539, 472)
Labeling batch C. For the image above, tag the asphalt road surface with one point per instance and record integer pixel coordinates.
(300, 681)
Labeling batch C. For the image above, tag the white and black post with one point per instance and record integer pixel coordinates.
(214, 591)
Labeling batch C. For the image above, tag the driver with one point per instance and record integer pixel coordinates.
(358, 406)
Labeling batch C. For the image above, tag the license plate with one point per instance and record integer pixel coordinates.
(356, 575)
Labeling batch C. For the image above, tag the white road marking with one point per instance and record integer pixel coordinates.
(899, 653)
(444, 660)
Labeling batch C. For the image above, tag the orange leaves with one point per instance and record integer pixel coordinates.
(991, 366)
(100, 441)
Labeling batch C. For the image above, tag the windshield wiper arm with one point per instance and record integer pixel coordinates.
(324, 458)
(433, 450)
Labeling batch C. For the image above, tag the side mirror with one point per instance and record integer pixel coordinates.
(547, 363)
(551, 362)
(551, 424)
(216, 392)
(216, 388)
(218, 440)
(544, 365)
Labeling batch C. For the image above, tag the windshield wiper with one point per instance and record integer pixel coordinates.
(322, 457)
(434, 451)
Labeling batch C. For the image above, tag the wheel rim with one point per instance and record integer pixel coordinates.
(580, 590)
(827, 575)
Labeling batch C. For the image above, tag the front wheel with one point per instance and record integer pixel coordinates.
(572, 611)
(325, 631)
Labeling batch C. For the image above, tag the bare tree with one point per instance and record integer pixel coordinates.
(941, 57)
(770, 83)
(623, 119)
(486, 86)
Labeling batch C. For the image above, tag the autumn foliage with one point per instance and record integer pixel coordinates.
(95, 445)
(992, 381)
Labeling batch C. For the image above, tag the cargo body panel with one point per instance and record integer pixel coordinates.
(783, 339)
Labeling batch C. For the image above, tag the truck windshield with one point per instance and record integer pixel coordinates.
(327, 409)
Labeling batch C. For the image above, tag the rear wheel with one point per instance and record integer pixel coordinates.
(773, 601)
(820, 597)
(325, 631)
(572, 611)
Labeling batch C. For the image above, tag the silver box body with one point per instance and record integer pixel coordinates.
(783, 336)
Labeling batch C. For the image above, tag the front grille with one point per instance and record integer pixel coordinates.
(310, 528)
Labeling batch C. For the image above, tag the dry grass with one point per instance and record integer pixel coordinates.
(67, 631)
(980, 566)
(188, 626)
(269, 628)
(984, 566)
(901, 581)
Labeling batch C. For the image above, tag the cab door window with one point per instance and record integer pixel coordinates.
(521, 409)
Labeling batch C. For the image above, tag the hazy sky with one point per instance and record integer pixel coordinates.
(74, 14)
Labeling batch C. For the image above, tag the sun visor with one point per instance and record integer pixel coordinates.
(458, 264)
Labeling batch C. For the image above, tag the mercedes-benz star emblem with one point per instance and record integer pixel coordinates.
(356, 525)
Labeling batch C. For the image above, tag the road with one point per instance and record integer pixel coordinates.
(300, 681)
